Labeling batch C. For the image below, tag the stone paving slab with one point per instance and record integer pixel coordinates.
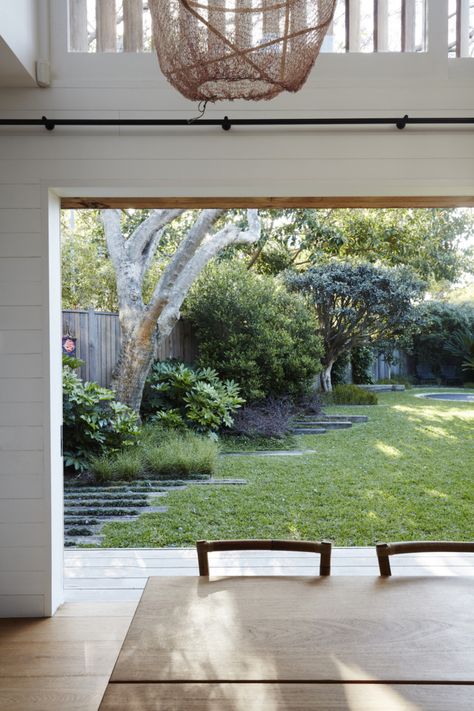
(271, 453)
(324, 424)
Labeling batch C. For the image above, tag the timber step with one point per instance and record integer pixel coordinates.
(325, 424)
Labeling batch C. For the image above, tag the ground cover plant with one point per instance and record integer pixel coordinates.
(349, 394)
(94, 422)
(179, 396)
(160, 454)
(406, 474)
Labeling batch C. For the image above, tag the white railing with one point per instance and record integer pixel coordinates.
(378, 26)
(359, 26)
(109, 26)
(461, 28)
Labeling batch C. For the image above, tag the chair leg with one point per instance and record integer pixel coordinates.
(325, 562)
(203, 560)
(384, 562)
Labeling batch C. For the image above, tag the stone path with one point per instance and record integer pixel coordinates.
(87, 508)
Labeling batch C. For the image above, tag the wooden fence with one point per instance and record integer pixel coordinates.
(97, 336)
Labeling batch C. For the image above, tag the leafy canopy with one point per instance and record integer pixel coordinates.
(429, 241)
(358, 303)
(250, 329)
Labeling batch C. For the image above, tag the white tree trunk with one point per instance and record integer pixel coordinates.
(325, 377)
(141, 324)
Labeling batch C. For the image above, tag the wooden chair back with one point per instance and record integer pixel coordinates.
(385, 550)
(321, 547)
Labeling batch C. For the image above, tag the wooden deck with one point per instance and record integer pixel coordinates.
(119, 575)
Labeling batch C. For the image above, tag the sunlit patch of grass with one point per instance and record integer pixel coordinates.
(388, 449)
(436, 494)
(351, 491)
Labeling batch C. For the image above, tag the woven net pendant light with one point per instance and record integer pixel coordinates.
(212, 50)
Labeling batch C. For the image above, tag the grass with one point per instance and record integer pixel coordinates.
(234, 443)
(160, 454)
(406, 474)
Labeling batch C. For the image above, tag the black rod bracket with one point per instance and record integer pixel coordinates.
(226, 124)
(401, 123)
(48, 123)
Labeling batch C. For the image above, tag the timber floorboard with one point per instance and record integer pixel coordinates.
(61, 663)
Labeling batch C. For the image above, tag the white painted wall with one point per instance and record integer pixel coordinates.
(35, 164)
(19, 41)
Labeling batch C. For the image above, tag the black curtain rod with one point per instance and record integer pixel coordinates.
(226, 123)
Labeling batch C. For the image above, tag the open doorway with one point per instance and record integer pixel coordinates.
(365, 478)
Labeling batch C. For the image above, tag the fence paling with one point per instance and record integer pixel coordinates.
(98, 343)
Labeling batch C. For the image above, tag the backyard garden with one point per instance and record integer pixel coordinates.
(276, 428)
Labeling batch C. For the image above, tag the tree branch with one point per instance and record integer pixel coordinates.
(113, 235)
(142, 243)
(180, 259)
(230, 234)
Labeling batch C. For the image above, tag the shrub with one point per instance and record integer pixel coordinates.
(311, 403)
(269, 418)
(176, 396)
(182, 455)
(351, 395)
(250, 329)
(160, 454)
(361, 362)
(396, 380)
(94, 422)
(124, 466)
(339, 371)
(431, 345)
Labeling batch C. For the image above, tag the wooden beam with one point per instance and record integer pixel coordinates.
(193, 203)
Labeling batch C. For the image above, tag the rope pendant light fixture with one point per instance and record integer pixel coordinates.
(213, 50)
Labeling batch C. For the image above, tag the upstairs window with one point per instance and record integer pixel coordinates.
(358, 26)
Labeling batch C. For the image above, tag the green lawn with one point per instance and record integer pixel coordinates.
(406, 474)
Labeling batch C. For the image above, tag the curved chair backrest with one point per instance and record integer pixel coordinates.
(385, 550)
(321, 547)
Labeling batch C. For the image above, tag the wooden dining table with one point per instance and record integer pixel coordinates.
(270, 643)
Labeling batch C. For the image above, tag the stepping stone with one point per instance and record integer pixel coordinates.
(98, 503)
(333, 418)
(309, 430)
(328, 424)
(271, 453)
(222, 482)
(345, 418)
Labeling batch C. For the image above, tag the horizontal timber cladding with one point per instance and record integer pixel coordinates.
(97, 337)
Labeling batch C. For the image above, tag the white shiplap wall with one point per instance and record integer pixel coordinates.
(36, 165)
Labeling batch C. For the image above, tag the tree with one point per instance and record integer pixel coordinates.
(250, 329)
(357, 304)
(429, 241)
(143, 322)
